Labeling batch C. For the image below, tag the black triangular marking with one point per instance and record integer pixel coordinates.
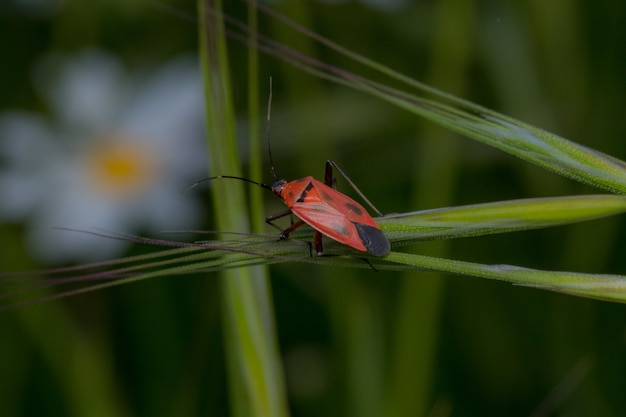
(373, 239)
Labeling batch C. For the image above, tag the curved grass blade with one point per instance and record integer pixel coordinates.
(523, 140)
(32, 287)
(499, 217)
(598, 286)
(254, 250)
(244, 249)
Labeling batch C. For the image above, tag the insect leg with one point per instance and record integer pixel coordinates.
(329, 174)
(276, 216)
(270, 220)
(284, 234)
(367, 261)
(317, 241)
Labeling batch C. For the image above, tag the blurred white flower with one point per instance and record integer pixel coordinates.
(115, 155)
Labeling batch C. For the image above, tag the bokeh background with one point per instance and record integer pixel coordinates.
(101, 126)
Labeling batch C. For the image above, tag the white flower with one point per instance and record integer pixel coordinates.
(115, 156)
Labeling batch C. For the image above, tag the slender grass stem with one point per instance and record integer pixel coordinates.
(255, 375)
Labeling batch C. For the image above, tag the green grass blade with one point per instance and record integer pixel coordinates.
(254, 131)
(598, 286)
(255, 374)
(523, 140)
(499, 217)
(247, 250)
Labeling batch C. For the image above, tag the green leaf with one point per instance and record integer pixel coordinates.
(254, 369)
(598, 286)
(481, 219)
(500, 217)
(523, 140)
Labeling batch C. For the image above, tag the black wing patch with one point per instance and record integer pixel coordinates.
(306, 190)
(373, 239)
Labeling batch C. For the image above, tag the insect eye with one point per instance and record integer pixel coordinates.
(278, 186)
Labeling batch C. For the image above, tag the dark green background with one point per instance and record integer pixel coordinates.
(495, 349)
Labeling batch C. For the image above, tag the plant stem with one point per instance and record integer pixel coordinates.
(255, 376)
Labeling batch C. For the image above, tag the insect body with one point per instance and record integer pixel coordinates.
(325, 209)
(330, 213)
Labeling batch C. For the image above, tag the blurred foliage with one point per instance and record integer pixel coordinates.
(348, 337)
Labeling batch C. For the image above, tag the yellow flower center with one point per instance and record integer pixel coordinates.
(120, 167)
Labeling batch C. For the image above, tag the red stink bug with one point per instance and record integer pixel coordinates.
(330, 213)
(322, 207)
(326, 210)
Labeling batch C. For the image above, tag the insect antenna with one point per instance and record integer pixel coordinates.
(195, 184)
(267, 132)
(260, 184)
